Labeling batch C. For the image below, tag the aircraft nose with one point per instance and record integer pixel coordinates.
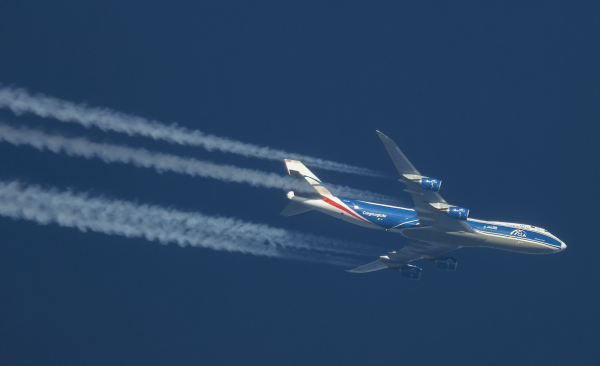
(563, 246)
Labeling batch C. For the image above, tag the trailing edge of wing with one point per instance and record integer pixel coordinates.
(400, 161)
(373, 266)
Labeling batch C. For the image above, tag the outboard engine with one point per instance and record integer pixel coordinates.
(425, 182)
(447, 263)
(431, 184)
(460, 213)
(410, 271)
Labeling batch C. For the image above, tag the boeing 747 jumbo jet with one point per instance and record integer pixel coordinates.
(433, 226)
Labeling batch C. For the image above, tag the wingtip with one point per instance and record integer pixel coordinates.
(369, 267)
(353, 270)
(381, 134)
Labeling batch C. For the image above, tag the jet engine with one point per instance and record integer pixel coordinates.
(425, 182)
(431, 184)
(410, 271)
(460, 213)
(447, 263)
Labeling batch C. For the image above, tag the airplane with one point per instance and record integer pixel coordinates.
(434, 227)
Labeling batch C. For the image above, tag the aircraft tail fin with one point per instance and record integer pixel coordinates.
(297, 170)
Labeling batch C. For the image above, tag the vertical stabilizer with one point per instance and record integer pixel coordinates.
(297, 169)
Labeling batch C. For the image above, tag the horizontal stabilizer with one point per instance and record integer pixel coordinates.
(373, 266)
(294, 208)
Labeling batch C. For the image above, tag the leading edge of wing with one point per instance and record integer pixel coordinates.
(427, 214)
(403, 165)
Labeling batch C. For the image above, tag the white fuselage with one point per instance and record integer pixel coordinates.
(492, 234)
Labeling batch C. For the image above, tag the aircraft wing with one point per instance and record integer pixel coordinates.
(423, 198)
(410, 252)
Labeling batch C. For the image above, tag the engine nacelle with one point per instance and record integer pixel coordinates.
(431, 184)
(447, 263)
(460, 213)
(410, 271)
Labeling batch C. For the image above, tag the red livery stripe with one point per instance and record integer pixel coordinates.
(337, 205)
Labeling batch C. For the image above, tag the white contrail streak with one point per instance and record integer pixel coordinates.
(20, 101)
(167, 225)
(165, 162)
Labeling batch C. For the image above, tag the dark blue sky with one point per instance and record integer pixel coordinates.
(498, 99)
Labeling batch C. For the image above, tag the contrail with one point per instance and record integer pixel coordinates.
(165, 162)
(20, 101)
(167, 225)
